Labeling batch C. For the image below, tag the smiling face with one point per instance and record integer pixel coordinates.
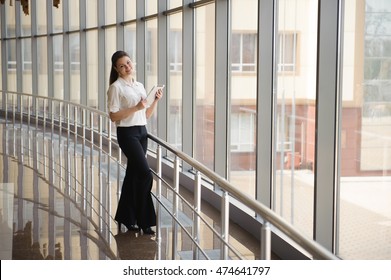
(124, 67)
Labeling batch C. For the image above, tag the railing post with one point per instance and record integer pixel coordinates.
(69, 166)
(13, 111)
(43, 137)
(92, 182)
(100, 174)
(175, 209)
(159, 196)
(84, 172)
(21, 112)
(108, 185)
(265, 241)
(6, 106)
(197, 211)
(59, 143)
(224, 225)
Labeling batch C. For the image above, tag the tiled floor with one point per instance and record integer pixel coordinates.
(41, 219)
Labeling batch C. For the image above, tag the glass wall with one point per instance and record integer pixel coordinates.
(92, 13)
(58, 52)
(175, 80)
(92, 54)
(151, 55)
(174, 3)
(92, 70)
(150, 7)
(26, 52)
(204, 85)
(293, 190)
(74, 48)
(243, 94)
(130, 9)
(365, 178)
(11, 48)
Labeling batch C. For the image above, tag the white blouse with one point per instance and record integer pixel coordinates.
(122, 94)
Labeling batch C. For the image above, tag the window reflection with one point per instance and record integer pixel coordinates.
(243, 95)
(293, 189)
(151, 54)
(42, 66)
(204, 82)
(175, 80)
(365, 209)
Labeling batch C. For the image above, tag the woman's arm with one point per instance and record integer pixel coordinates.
(151, 108)
(124, 113)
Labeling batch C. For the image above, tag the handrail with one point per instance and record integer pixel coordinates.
(268, 216)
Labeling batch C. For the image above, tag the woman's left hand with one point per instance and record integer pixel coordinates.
(159, 94)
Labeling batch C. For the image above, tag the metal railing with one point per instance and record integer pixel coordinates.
(89, 135)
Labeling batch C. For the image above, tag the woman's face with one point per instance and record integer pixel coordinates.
(124, 67)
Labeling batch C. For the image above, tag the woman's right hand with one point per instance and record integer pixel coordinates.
(142, 104)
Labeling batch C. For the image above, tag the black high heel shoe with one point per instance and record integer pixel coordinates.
(148, 230)
(133, 228)
(130, 227)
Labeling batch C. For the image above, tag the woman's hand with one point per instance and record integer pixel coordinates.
(159, 94)
(151, 108)
(124, 113)
(142, 104)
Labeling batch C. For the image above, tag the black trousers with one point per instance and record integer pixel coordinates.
(135, 206)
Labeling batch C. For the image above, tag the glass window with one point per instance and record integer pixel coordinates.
(243, 132)
(92, 69)
(130, 9)
(204, 84)
(287, 52)
(110, 49)
(150, 7)
(58, 54)
(26, 24)
(41, 16)
(175, 50)
(11, 44)
(11, 21)
(365, 165)
(74, 10)
(1, 63)
(74, 47)
(175, 80)
(11, 73)
(26, 65)
(110, 9)
(295, 115)
(42, 66)
(130, 41)
(243, 94)
(174, 4)
(92, 13)
(244, 52)
(57, 18)
(151, 53)
(58, 66)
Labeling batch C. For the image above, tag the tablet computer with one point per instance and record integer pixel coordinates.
(151, 94)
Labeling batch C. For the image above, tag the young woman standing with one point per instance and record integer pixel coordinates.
(128, 108)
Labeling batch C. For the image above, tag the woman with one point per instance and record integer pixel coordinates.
(128, 108)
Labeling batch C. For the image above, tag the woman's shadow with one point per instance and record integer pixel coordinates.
(135, 246)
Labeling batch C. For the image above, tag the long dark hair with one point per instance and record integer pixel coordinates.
(114, 58)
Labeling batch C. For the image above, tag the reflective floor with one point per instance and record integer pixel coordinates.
(40, 219)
